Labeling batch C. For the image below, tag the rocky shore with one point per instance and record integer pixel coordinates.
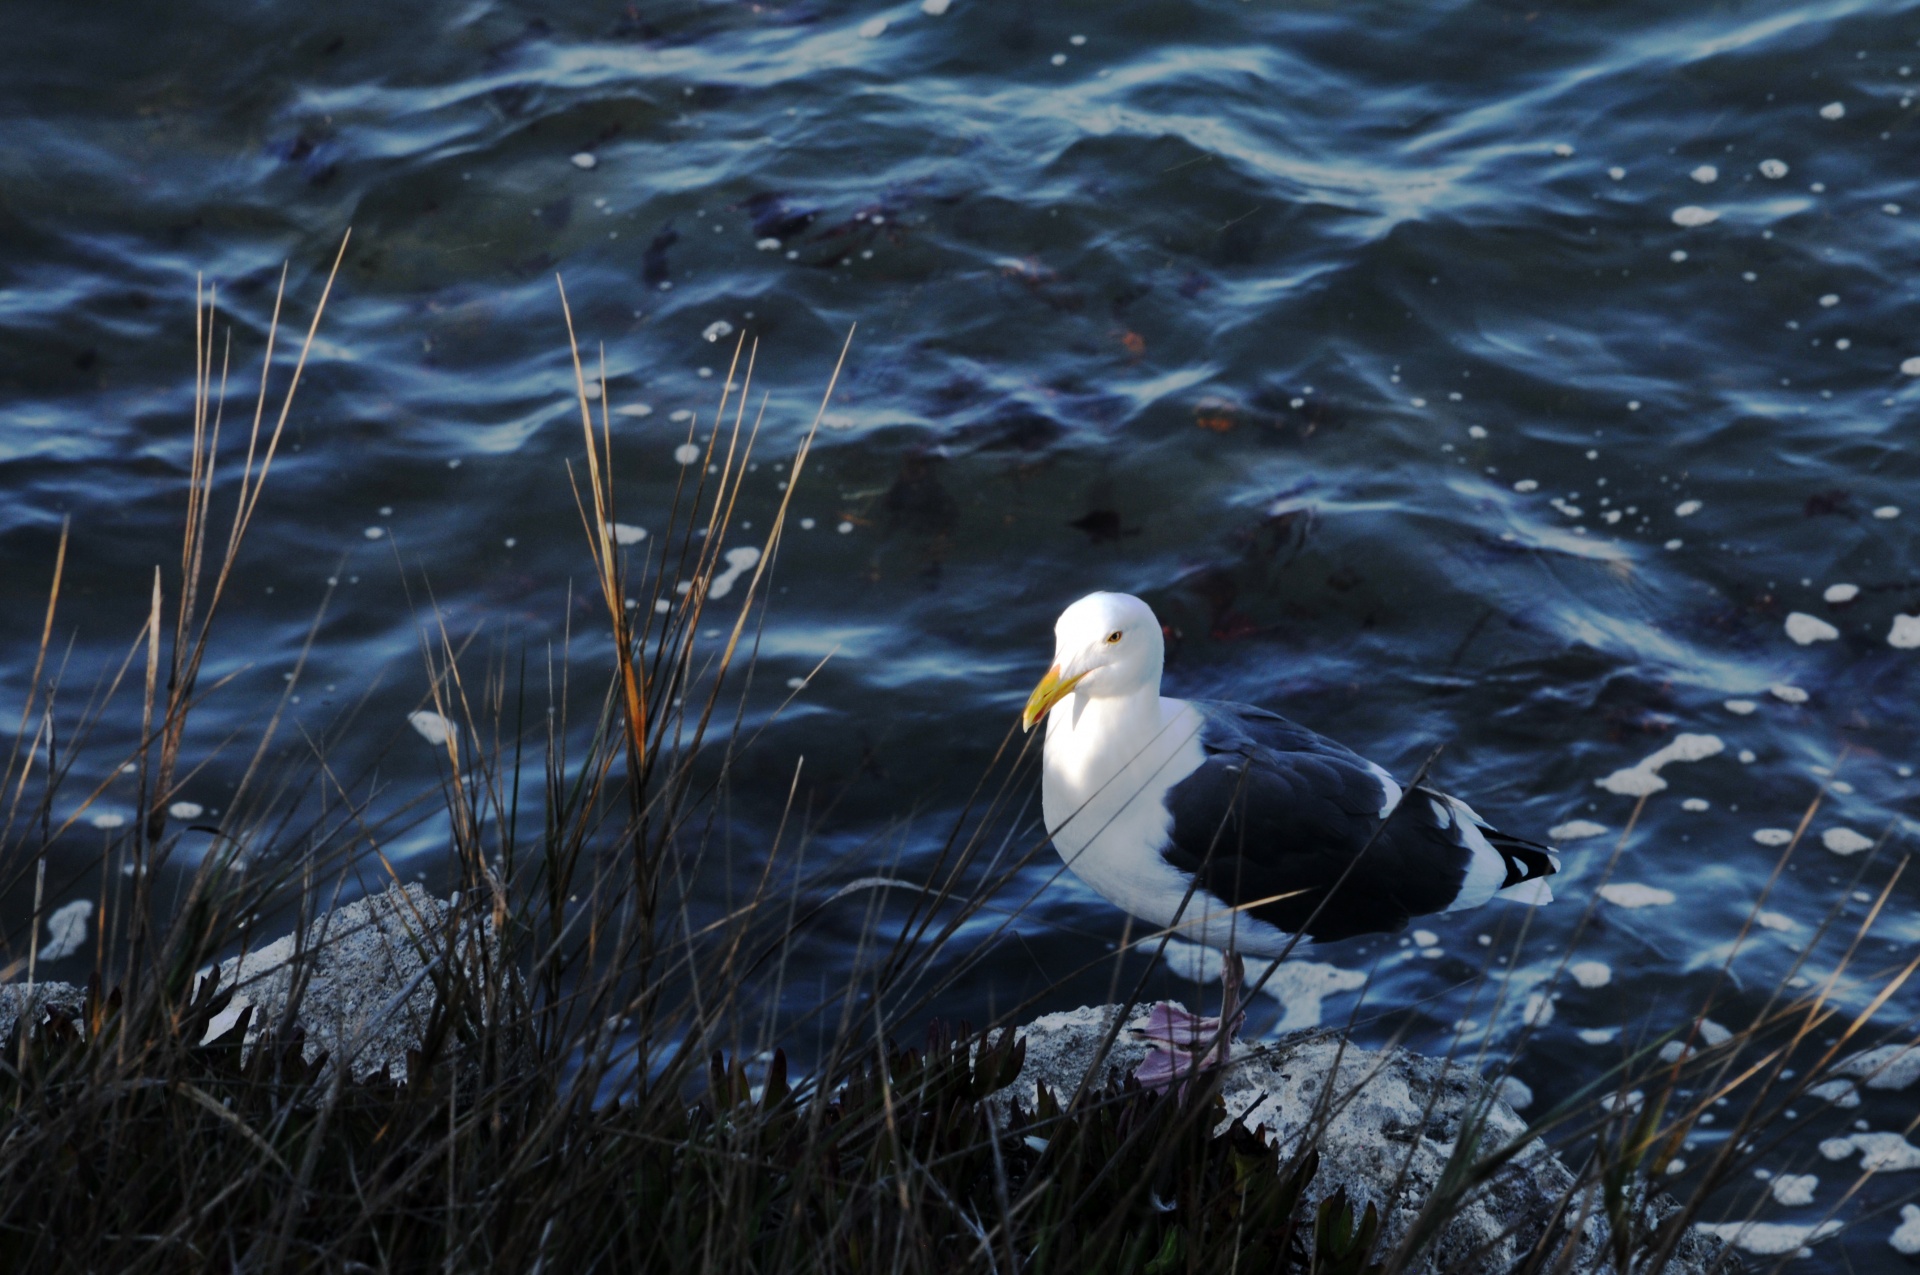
(1386, 1122)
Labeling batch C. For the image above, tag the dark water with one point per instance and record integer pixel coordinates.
(1360, 339)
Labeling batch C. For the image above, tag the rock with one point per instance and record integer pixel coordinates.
(368, 988)
(1385, 1123)
(65, 998)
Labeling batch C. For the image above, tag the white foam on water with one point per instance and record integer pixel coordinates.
(1795, 1189)
(1840, 1093)
(626, 534)
(66, 930)
(1671, 545)
(1591, 973)
(1695, 804)
(1526, 484)
(1787, 693)
(1887, 511)
(1706, 174)
(1616, 172)
(1632, 782)
(1301, 986)
(432, 727)
(1643, 778)
(1425, 938)
(1516, 1092)
(1906, 1236)
(1678, 254)
(1905, 632)
(108, 821)
(1687, 508)
(1833, 111)
(806, 524)
(1298, 985)
(1691, 215)
(1740, 707)
(1845, 841)
(1911, 366)
(1058, 59)
(584, 160)
(684, 414)
(186, 810)
(795, 683)
(715, 330)
(1538, 1011)
(1631, 894)
(1476, 431)
(374, 533)
(1598, 1035)
(738, 560)
(1773, 169)
(1886, 1152)
(1687, 748)
(1836, 1148)
(687, 453)
(1807, 629)
(1576, 830)
(1778, 921)
(1768, 1239)
(634, 409)
(1841, 593)
(768, 244)
(1772, 836)
(845, 528)
(873, 28)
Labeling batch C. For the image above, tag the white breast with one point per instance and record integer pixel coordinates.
(1108, 764)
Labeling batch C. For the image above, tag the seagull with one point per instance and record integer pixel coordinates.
(1236, 828)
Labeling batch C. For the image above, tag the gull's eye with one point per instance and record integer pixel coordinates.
(1113, 637)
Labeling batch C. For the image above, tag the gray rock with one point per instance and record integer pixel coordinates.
(63, 997)
(368, 986)
(367, 967)
(1385, 1123)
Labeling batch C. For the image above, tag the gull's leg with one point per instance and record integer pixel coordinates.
(1233, 976)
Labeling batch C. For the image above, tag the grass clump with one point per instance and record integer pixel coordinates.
(598, 1083)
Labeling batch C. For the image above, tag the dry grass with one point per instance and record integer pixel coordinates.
(603, 1088)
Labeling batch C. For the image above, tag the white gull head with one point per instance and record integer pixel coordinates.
(1105, 646)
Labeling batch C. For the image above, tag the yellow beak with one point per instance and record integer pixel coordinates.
(1051, 691)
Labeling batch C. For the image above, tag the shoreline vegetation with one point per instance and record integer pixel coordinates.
(593, 1076)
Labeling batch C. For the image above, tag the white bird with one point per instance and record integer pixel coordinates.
(1236, 828)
